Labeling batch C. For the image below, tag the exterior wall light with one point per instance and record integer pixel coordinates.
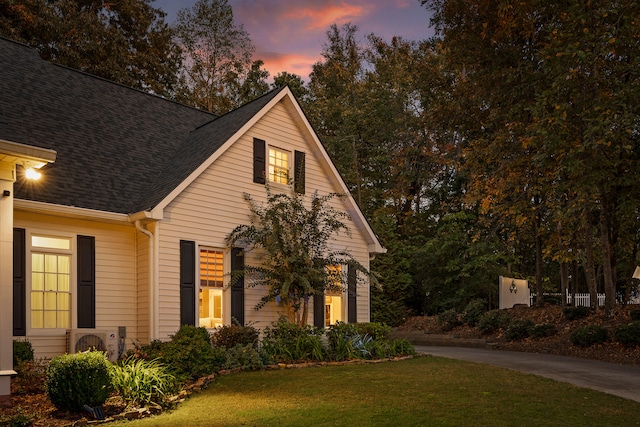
(33, 174)
(513, 288)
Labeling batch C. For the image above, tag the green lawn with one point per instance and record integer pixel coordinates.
(425, 391)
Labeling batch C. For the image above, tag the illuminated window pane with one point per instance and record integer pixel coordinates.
(37, 319)
(211, 268)
(37, 262)
(64, 265)
(37, 302)
(37, 281)
(51, 242)
(50, 301)
(278, 166)
(50, 290)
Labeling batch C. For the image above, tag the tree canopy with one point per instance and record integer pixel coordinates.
(126, 41)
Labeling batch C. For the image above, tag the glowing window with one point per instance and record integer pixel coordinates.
(278, 166)
(211, 288)
(51, 242)
(50, 290)
(333, 310)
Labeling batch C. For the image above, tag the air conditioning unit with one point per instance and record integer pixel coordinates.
(88, 339)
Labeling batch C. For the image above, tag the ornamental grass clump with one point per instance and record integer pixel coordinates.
(290, 342)
(141, 382)
(75, 380)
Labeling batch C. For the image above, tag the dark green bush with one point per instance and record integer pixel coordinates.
(519, 329)
(628, 334)
(574, 313)
(587, 336)
(289, 342)
(635, 314)
(189, 353)
(377, 331)
(75, 380)
(545, 330)
(228, 336)
(22, 351)
(493, 320)
(448, 320)
(401, 347)
(473, 311)
(245, 357)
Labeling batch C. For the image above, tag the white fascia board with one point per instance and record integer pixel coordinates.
(17, 153)
(69, 211)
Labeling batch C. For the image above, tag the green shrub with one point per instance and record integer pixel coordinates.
(587, 336)
(288, 342)
(448, 320)
(575, 313)
(75, 380)
(189, 353)
(22, 351)
(377, 331)
(519, 329)
(401, 347)
(140, 381)
(228, 336)
(635, 314)
(493, 320)
(245, 357)
(545, 330)
(628, 334)
(473, 311)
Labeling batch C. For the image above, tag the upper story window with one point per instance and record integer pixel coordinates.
(279, 165)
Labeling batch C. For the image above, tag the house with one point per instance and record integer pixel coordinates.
(122, 239)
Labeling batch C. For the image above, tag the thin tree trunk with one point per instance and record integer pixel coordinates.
(609, 284)
(589, 267)
(539, 284)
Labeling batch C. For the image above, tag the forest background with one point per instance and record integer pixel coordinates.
(506, 144)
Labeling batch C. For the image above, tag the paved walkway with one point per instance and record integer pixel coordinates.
(612, 378)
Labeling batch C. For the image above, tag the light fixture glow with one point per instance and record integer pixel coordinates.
(33, 174)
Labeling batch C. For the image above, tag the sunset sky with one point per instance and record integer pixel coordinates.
(289, 34)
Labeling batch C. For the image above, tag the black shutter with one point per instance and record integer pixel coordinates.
(237, 289)
(259, 160)
(187, 282)
(299, 167)
(86, 282)
(19, 284)
(318, 310)
(352, 314)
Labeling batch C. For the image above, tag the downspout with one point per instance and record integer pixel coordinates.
(152, 303)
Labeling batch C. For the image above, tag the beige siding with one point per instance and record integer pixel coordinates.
(212, 205)
(116, 294)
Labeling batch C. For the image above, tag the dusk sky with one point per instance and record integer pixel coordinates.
(289, 34)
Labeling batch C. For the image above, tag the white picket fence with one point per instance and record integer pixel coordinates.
(581, 299)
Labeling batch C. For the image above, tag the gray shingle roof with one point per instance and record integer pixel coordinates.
(118, 149)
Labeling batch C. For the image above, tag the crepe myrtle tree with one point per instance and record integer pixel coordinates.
(293, 234)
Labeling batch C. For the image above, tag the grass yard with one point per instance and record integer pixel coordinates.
(425, 391)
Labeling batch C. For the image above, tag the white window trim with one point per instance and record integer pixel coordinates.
(73, 289)
(226, 294)
(268, 165)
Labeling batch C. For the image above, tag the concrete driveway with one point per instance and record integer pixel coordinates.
(619, 380)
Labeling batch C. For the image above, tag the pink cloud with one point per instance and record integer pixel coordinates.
(294, 63)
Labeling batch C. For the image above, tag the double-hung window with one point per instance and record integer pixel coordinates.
(211, 288)
(279, 165)
(334, 307)
(50, 295)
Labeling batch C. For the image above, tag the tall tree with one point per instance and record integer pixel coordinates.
(126, 41)
(217, 55)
